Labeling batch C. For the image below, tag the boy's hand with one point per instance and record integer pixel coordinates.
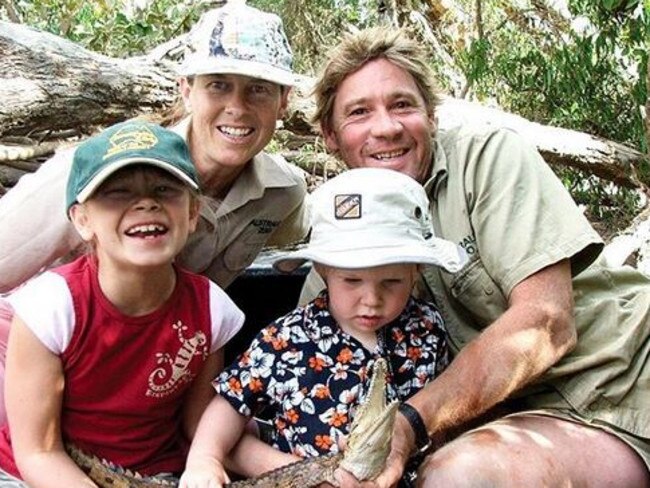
(204, 473)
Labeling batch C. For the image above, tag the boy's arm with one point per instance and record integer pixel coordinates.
(252, 457)
(220, 428)
(34, 390)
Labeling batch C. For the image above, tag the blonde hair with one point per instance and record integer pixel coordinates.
(173, 114)
(355, 50)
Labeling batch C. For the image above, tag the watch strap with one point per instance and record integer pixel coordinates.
(422, 440)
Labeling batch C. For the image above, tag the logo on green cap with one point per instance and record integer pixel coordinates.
(129, 139)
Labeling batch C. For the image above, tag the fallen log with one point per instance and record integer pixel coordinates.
(606, 159)
(51, 84)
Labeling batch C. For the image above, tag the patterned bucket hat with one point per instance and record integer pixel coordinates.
(242, 40)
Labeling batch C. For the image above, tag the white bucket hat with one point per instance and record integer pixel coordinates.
(369, 217)
(242, 40)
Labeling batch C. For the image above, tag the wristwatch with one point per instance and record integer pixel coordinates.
(422, 439)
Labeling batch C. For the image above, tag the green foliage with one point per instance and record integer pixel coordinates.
(592, 80)
(608, 206)
(313, 25)
(104, 26)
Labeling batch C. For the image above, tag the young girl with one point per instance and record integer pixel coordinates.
(115, 351)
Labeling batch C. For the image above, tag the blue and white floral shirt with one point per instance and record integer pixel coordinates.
(309, 376)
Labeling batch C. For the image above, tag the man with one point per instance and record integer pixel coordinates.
(542, 329)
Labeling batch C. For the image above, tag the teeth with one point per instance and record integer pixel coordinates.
(146, 229)
(235, 131)
(389, 154)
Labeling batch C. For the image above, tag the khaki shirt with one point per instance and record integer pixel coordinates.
(264, 205)
(495, 196)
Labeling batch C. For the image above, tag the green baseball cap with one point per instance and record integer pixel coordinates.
(124, 144)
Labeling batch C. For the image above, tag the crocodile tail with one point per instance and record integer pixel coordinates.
(108, 475)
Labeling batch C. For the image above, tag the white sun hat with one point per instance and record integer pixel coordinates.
(242, 40)
(369, 217)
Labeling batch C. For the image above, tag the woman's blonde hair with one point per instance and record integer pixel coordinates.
(355, 50)
(173, 114)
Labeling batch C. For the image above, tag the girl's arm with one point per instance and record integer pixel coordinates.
(201, 393)
(34, 385)
(220, 428)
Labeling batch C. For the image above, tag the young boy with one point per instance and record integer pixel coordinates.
(114, 352)
(371, 232)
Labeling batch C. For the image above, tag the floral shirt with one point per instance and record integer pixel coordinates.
(309, 376)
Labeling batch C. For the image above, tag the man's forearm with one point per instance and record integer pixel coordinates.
(531, 336)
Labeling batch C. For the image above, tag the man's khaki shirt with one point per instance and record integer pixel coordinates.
(495, 196)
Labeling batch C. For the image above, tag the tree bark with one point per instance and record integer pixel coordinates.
(51, 84)
(646, 112)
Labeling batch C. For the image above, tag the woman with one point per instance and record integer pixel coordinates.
(234, 84)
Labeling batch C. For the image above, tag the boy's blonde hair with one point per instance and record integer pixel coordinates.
(355, 50)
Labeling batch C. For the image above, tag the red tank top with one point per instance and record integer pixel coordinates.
(126, 377)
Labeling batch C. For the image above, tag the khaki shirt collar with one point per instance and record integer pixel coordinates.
(260, 173)
(439, 169)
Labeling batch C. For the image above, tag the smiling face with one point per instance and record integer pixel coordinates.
(362, 301)
(233, 119)
(380, 119)
(140, 216)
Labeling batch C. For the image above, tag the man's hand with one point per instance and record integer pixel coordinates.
(402, 445)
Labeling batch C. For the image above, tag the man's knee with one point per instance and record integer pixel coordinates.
(534, 451)
(477, 459)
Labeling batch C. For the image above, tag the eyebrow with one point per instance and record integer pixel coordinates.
(392, 96)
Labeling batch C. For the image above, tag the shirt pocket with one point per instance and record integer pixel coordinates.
(478, 293)
(244, 249)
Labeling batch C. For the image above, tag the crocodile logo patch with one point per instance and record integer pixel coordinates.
(131, 138)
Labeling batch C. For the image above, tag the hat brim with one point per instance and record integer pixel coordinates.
(442, 253)
(198, 65)
(108, 170)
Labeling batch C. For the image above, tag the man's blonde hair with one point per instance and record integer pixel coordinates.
(355, 50)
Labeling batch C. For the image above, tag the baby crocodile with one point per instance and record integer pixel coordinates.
(367, 448)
